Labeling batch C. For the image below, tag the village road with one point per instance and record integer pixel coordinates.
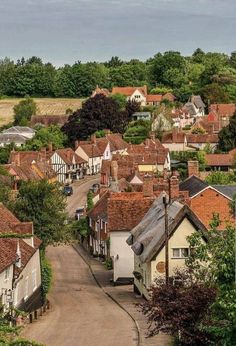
(81, 314)
(79, 197)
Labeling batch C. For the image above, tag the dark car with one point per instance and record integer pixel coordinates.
(68, 190)
(79, 212)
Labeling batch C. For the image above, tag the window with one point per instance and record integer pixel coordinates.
(7, 274)
(180, 252)
(34, 281)
(26, 293)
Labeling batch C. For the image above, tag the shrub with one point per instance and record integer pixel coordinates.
(46, 276)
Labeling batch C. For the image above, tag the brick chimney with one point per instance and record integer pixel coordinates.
(175, 134)
(114, 170)
(93, 139)
(193, 168)
(173, 187)
(76, 144)
(152, 136)
(50, 147)
(147, 186)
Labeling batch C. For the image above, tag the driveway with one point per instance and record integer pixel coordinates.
(79, 197)
(82, 314)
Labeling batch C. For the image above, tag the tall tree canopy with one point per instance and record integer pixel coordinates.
(227, 136)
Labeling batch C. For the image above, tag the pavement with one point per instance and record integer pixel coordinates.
(80, 190)
(124, 297)
(81, 313)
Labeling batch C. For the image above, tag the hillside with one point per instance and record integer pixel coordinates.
(45, 106)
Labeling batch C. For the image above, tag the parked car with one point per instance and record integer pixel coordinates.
(94, 188)
(68, 190)
(79, 212)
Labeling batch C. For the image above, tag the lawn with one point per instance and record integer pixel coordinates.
(45, 106)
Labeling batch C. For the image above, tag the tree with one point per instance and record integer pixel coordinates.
(227, 136)
(120, 99)
(214, 93)
(23, 111)
(137, 131)
(97, 113)
(46, 135)
(44, 204)
(89, 200)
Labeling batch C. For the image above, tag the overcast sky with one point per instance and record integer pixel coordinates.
(64, 31)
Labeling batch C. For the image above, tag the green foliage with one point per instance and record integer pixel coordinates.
(46, 275)
(100, 133)
(198, 131)
(137, 131)
(108, 263)
(161, 90)
(221, 178)
(46, 135)
(89, 200)
(120, 100)
(82, 227)
(23, 111)
(5, 153)
(43, 204)
(227, 136)
(214, 93)
(213, 262)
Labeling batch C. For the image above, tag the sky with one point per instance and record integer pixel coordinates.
(65, 31)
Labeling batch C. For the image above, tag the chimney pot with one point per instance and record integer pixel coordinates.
(193, 168)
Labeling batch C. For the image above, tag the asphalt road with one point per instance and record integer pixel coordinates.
(79, 197)
(82, 314)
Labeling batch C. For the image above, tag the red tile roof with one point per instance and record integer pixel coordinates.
(68, 156)
(154, 98)
(218, 159)
(126, 209)
(10, 224)
(128, 91)
(223, 110)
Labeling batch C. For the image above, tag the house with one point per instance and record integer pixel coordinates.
(100, 91)
(24, 131)
(142, 116)
(125, 210)
(17, 135)
(29, 165)
(20, 272)
(195, 107)
(140, 95)
(67, 165)
(222, 112)
(147, 241)
(99, 149)
(162, 122)
(206, 200)
(181, 141)
(48, 120)
(219, 162)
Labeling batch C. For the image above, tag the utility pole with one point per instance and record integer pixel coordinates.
(166, 240)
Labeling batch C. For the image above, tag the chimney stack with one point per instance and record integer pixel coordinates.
(114, 170)
(173, 187)
(50, 147)
(93, 139)
(152, 136)
(147, 186)
(193, 168)
(76, 144)
(175, 134)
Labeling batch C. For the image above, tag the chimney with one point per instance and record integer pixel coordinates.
(193, 168)
(50, 147)
(173, 187)
(93, 139)
(76, 144)
(16, 158)
(152, 136)
(114, 170)
(175, 134)
(147, 186)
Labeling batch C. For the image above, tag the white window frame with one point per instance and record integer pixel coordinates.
(26, 288)
(7, 274)
(180, 252)
(34, 279)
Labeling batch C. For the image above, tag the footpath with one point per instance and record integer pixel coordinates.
(124, 297)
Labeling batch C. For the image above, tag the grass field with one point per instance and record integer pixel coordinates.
(45, 106)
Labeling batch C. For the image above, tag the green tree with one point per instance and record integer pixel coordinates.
(46, 135)
(89, 200)
(44, 204)
(23, 111)
(120, 99)
(214, 93)
(227, 136)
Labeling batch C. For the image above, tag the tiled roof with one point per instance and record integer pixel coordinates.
(126, 209)
(218, 159)
(223, 110)
(179, 137)
(154, 98)
(10, 224)
(90, 149)
(100, 208)
(128, 91)
(48, 120)
(116, 141)
(68, 155)
(100, 91)
(193, 184)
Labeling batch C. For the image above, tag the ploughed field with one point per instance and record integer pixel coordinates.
(45, 106)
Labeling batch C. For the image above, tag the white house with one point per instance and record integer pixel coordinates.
(147, 241)
(68, 165)
(20, 272)
(17, 135)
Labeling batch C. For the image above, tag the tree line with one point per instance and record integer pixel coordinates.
(213, 75)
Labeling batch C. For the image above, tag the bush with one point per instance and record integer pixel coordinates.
(46, 276)
(109, 264)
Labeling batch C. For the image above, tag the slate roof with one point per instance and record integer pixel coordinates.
(197, 100)
(227, 190)
(148, 237)
(7, 138)
(193, 184)
(19, 130)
